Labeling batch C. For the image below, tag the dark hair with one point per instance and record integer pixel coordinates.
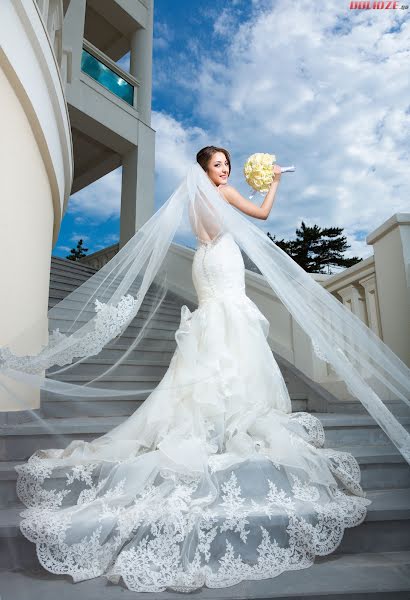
(205, 154)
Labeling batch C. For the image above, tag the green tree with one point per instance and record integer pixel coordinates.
(316, 249)
(78, 252)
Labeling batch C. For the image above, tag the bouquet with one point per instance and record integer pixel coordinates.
(258, 171)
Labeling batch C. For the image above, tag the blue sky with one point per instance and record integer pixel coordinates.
(320, 86)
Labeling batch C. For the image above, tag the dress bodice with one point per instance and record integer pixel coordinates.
(218, 269)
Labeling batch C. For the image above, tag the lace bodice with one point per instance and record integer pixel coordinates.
(218, 269)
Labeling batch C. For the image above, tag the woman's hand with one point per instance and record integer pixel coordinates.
(276, 170)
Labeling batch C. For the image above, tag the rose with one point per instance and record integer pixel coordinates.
(258, 171)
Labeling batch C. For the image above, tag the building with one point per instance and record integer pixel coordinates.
(109, 107)
(70, 114)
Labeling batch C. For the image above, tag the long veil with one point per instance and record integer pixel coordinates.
(118, 308)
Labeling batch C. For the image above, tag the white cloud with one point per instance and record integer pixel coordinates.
(109, 239)
(323, 88)
(175, 148)
(163, 35)
(124, 62)
(225, 23)
(101, 200)
(80, 236)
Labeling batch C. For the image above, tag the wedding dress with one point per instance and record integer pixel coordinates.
(212, 480)
(209, 487)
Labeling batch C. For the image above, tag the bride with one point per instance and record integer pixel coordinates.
(212, 480)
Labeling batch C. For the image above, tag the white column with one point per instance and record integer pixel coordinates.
(391, 245)
(54, 23)
(73, 35)
(353, 299)
(141, 65)
(372, 308)
(138, 179)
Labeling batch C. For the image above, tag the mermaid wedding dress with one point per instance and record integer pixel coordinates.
(212, 480)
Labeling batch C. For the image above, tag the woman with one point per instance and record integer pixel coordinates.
(217, 165)
(212, 480)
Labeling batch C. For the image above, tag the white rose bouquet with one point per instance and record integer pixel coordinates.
(259, 173)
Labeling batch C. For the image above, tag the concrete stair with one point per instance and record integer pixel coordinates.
(367, 576)
(145, 365)
(387, 525)
(20, 440)
(373, 560)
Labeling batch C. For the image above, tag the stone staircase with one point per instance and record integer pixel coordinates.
(373, 560)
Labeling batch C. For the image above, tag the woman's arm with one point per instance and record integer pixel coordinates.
(248, 207)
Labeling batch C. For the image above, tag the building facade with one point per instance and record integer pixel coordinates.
(109, 104)
(70, 115)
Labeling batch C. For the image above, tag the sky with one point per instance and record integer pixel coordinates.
(322, 87)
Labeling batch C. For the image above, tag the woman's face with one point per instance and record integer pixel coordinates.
(218, 168)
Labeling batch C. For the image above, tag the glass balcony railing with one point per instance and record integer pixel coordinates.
(107, 77)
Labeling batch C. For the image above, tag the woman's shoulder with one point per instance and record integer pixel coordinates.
(225, 186)
(226, 191)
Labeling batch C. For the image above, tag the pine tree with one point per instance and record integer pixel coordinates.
(78, 252)
(315, 248)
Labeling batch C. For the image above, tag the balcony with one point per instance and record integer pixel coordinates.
(108, 74)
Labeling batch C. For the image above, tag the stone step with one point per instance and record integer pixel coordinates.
(382, 467)
(146, 309)
(137, 380)
(147, 364)
(58, 295)
(147, 349)
(127, 368)
(128, 337)
(133, 329)
(161, 345)
(345, 429)
(58, 407)
(397, 407)
(20, 440)
(77, 276)
(380, 470)
(70, 266)
(158, 347)
(153, 350)
(159, 321)
(57, 292)
(74, 277)
(386, 528)
(117, 382)
(370, 576)
(55, 406)
(61, 284)
(139, 383)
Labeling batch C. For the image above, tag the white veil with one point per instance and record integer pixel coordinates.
(123, 299)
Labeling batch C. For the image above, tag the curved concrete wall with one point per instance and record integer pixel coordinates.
(36, 166)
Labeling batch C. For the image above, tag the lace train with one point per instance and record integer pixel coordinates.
(159, 529)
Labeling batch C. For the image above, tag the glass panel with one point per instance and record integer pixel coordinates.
(106, 77)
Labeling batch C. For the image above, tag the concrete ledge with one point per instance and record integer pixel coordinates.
(394, 221)
(19, 416)
(375, 576)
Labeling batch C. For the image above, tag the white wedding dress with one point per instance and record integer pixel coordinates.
(212, 480)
